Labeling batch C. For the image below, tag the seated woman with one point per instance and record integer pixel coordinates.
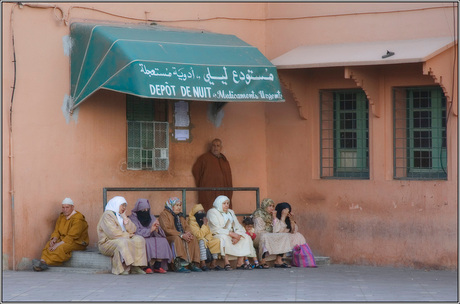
(284, 222)
(272, 242)
(234, 242)
(159, 252)
(117, 239)
(184, 245)
(199, 225)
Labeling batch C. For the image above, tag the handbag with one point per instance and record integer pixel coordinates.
(302, 256)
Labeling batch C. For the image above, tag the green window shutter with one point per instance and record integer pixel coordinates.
(139, 109)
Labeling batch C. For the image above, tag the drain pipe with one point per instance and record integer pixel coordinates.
(11, 150)
(12, 198)
(13, 221)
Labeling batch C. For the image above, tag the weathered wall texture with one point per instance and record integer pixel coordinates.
(379, 221)
(271, 146)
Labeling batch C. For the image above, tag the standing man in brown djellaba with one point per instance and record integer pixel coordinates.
(212, 170)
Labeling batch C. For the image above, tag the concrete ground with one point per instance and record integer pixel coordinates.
(333, 283)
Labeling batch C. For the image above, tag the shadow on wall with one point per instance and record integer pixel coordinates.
(216, 113)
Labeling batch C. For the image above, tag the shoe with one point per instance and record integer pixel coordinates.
(38, 265)
(193, 268)
(228, 267)
(159, 270)
(205, 268)
(137, 270)
(36, 268)
(217, 268)
(182, 269)
(148, 270)
(44, 266)
(284, 265)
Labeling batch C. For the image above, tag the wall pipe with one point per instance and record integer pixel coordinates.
(11, 147)
(11, 150)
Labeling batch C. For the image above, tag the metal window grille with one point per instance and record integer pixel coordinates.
(148, 145)
(344, 134)
(148, 130)
(420, 149)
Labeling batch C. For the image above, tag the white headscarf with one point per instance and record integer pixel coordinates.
(114, 205)
(218, 205)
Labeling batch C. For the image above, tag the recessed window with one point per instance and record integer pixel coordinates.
(148, 131)
(344, 134)
(420, 133)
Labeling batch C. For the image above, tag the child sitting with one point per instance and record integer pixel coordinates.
(209, 245)
(248, 224)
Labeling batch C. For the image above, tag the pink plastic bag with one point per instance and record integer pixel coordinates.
(302, 256)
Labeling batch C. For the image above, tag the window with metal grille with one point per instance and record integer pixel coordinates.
(148, 131)
(344, 134)
(420, 149)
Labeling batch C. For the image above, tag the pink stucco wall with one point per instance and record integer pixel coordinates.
(379, 221)
(271, 146)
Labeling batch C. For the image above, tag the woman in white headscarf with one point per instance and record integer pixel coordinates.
(234, 242)
(117, 239)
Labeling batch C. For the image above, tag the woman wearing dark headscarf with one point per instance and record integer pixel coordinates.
(184, 244)
(272, 245)
(284, 222)
(199, 226)
(159, 252)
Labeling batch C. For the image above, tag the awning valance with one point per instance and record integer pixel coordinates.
(363, 53)
(159, 62)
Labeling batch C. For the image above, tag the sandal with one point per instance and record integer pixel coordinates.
(284, 265)
(205, 268)
(217, 268)
(136, 270)
(261, 266)
(244, 267)
(228, 267)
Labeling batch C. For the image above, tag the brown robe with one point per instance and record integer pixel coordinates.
(212, 171)
(166, 220)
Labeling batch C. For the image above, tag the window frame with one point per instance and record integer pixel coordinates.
(338, 122)
(152, 143)
(437, 146)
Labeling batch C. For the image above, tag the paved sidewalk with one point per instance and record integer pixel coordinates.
(333, 283)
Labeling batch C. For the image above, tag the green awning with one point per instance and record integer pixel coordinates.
(158, 62)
